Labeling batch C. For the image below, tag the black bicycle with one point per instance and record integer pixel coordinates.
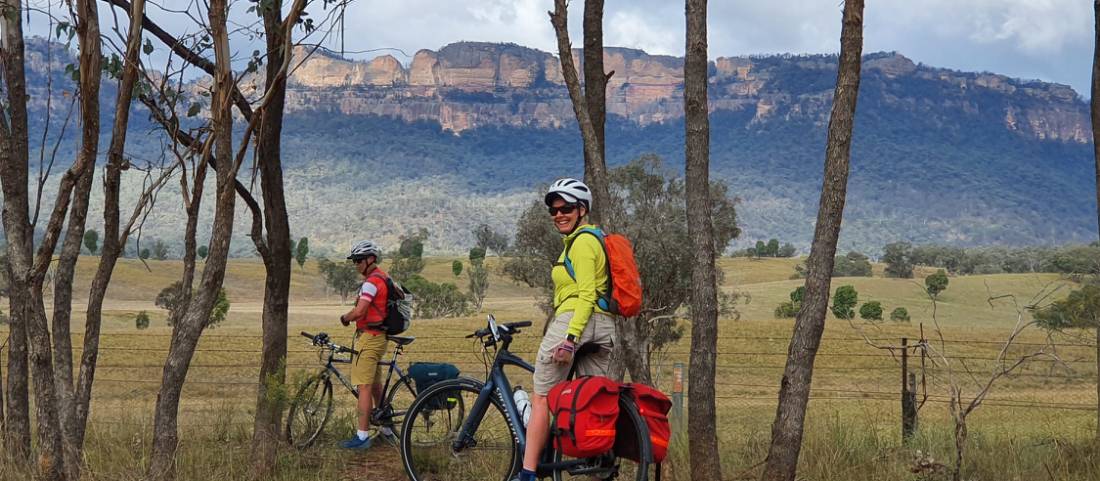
(312, 405)
(487, 441)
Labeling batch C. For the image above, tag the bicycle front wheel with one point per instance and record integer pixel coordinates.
(309, 411)
(628, 460)
(435, 421)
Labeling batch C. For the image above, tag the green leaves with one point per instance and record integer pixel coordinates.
(844, 302)
(194, 109)
(148, 47)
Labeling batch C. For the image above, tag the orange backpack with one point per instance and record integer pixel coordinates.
(624, 293)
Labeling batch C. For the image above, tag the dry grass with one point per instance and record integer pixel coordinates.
(853, 431)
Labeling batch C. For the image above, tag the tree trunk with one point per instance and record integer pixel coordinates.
(1095, 110)
(595, 99)
(90, 76)
(794, 391)
(17, 228)
(186, 334)
(702, 433)
(277, 256)
(113, 241)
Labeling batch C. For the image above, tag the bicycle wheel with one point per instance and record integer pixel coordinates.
(309, 411)
(629, 458)
(433, 424)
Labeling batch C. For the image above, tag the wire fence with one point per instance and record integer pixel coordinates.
(851, 373)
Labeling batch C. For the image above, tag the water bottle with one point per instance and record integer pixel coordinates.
(523, 404)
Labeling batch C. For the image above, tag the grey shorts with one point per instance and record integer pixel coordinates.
(600, 330)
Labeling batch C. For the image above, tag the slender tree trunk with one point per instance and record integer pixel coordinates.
(90, 76)
(186, 334)
(595, 101)
(277, 256)
(17, 228)
(794, 391)
(702, 433)
(593, 150)
(1095, 110)
(113, 240)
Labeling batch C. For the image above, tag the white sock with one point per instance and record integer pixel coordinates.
(387, 431)
(363, 435)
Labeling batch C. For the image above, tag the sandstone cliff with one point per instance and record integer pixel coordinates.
(470, 84)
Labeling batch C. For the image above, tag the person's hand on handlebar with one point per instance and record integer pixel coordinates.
(343, 321)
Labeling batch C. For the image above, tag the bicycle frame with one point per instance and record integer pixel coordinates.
(499, 386)
(391, 365)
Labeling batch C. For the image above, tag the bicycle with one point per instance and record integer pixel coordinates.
(489, 440)
(312, 405)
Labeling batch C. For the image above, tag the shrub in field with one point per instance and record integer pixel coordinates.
(936, 283)
(900, 314)
(844, 302)
(142, 320)
(790, 309)
(433, 300)
(871, 311)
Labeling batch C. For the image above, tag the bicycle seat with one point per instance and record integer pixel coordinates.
(401, 340)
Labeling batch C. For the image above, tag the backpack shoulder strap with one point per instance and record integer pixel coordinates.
(597, 233)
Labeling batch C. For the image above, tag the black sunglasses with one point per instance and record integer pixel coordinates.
(565, 209)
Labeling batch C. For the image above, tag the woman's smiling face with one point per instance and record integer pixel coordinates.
(565, 215)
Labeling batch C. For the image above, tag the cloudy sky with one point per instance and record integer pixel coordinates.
(1043, 39)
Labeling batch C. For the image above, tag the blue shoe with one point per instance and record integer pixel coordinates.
(356, 443)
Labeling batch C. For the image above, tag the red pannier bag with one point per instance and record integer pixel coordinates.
(584, 413)
(654, 406)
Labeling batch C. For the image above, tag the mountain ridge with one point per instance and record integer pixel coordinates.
(937, 156)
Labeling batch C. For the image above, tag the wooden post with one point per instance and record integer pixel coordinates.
(678, 396)
(908, 395)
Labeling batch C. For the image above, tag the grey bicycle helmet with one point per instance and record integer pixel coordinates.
(363, 249)
(570, 190)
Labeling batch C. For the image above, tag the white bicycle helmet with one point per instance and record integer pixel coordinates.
(570, 190)
(363, 249)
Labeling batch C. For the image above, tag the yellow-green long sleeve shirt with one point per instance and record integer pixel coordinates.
(590, 267)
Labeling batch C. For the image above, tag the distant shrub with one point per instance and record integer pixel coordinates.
(142, 320)
(871, 311)
(844, 302)
(900, 314)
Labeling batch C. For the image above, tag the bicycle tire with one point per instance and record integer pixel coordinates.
(643, 470)
(313, 398)
(426, 458)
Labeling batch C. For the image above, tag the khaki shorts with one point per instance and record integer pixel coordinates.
(365, 368)
(600, 330)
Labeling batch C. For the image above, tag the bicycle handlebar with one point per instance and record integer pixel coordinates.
(322, 339)
(506, 327)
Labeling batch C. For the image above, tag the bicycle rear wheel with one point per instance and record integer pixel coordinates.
(432, 425)
(630, 458)
(309, 412)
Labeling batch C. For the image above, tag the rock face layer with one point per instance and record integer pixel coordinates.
(467, 85)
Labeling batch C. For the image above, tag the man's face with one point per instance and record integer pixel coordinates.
(362, 265)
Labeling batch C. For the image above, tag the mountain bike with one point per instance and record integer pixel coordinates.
(312, 405)
(487, 440)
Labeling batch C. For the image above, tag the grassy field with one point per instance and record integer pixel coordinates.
(1036, 424)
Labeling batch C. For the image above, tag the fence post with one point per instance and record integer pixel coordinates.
(678, 396)
(908, 395)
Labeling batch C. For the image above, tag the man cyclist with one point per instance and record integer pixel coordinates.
(578, 319)
(370, 340)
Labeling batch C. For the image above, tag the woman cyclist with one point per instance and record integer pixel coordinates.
(578, 320)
